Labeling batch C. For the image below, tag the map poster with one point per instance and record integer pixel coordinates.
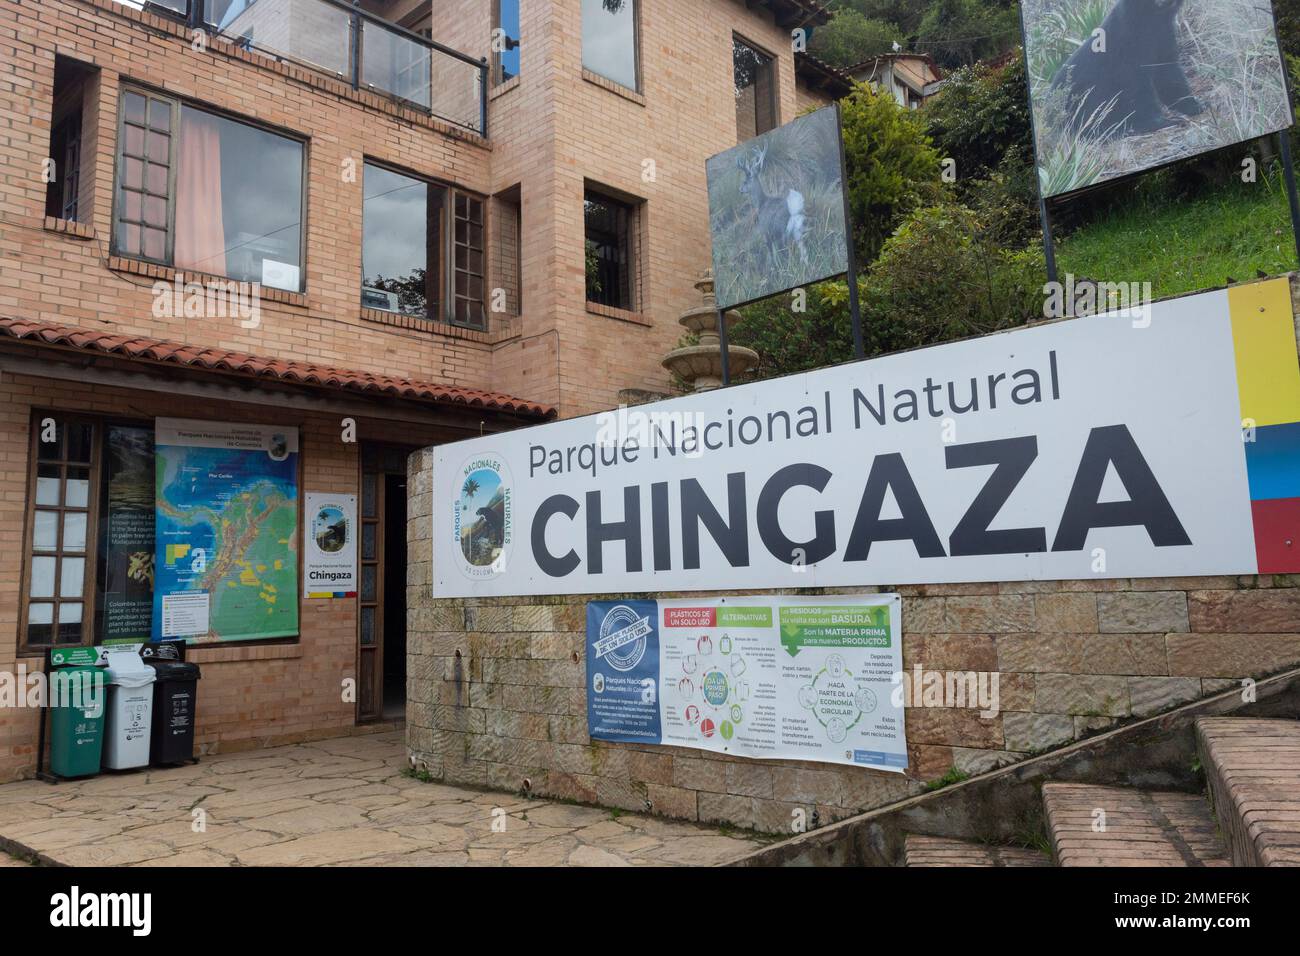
(226, 553)
(126, 568)
(329, 567)
(765, 677)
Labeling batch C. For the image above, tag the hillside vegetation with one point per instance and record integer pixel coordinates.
(942, 258)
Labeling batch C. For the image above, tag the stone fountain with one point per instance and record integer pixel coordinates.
(700, 366)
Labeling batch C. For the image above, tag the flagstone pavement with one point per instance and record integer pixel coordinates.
(338, 802)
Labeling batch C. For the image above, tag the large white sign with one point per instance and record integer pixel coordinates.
(1105, 446)
(770, 677)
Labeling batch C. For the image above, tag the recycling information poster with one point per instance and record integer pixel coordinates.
(765, 677)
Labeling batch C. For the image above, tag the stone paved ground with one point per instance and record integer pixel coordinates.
(336, 802)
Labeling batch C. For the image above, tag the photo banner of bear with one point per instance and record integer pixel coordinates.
(226, 516)
(1117, 87)
(1161, 444)
(776, 210)
(329, 567)
(763, 677)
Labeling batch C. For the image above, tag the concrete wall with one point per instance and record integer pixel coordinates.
(496, 686)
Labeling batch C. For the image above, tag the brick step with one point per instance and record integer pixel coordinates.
(944, 851)
(1141, 827)
(1253, 769)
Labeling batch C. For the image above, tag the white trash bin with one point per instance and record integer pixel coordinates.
(130, 710)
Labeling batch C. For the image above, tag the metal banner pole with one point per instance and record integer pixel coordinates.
(1288, 169)
(1049, 247)
(855, 314)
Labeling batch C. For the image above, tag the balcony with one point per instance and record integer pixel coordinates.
(354, 43)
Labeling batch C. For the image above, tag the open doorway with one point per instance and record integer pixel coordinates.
(381, 618)
(394, 597)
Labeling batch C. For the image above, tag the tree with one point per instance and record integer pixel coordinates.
(940, 277)
(851, 38)
(892, 166)
(960, 32)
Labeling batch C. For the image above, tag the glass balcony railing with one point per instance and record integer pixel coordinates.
(358, 47)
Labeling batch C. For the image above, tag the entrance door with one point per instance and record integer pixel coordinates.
(381, 619)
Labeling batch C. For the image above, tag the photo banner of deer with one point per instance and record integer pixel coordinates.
(776, 210)
(1121, 86)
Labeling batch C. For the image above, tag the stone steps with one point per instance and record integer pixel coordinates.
(944, 851)
(1252, 816)
(1253, 769)
(1115, 826)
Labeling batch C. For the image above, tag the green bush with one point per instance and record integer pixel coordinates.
(978, 115)
(942, 277)
(851, 38)
(892, 167)
(939, 277)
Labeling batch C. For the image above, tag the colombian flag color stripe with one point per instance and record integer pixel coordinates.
(1268, 386)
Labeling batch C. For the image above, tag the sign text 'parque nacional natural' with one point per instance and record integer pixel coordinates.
(1106, 446)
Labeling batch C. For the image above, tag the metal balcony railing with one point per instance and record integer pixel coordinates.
(359, 47)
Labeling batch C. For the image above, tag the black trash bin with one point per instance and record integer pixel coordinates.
(175, 698)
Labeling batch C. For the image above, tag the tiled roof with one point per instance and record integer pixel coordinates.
(238, 363)
(821, 75)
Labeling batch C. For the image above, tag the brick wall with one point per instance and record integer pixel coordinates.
(64, 278)
(496, 686)
(250, 695)
(556, 128)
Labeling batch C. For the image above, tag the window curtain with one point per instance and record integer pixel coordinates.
(200, 229)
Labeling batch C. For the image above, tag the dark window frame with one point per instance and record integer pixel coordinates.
(63, 194)
(176, 104)
(629, 244)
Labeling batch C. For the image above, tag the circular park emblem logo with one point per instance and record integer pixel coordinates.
(482, 518)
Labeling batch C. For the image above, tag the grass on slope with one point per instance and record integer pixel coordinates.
(1189, 245)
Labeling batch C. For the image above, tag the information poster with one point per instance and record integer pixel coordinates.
(766, 677)
(329, 567)
(126, 568)
(226, 558)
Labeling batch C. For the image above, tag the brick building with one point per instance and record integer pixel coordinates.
(379, 227)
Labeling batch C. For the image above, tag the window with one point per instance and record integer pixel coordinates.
(505, 59)
(469, 258)
(209, 194)
(609, 41)
(178, 7)
(610, 251)
(755, 75)
(63, 182)
(64, 189)
(423, 249)
(64, 465)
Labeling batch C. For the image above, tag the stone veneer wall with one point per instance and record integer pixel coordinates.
(496, 692)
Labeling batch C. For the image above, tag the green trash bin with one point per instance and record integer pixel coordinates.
(76, 720)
